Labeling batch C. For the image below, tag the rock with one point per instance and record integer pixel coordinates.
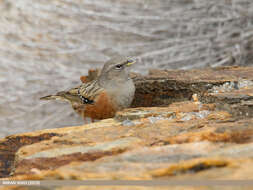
(191, 138)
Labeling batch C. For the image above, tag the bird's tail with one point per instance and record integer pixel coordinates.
(69, 96)
(58, 96)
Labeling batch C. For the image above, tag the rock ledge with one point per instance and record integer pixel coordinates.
(182, 125)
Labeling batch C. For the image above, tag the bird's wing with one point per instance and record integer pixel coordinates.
(87, 92)
(83, 94)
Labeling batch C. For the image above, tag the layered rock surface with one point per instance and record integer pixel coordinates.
(193, 124)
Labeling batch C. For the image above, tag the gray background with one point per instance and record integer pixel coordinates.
(46, 45)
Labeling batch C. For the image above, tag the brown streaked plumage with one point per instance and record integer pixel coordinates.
(100, 98)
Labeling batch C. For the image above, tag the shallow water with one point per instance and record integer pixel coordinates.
(46, 45)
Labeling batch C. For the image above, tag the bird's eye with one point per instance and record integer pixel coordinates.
(118, 66)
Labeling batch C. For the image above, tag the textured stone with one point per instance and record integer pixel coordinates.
(124, 188)
(197, 138)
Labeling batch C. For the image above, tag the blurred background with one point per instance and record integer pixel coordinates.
(46, 45)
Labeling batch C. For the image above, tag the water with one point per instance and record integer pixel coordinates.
(46, 45)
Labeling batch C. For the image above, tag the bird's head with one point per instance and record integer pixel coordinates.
(116, 69)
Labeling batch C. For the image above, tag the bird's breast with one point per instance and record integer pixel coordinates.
(123, 95)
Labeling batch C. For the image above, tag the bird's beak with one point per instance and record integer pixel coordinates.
(130, 62)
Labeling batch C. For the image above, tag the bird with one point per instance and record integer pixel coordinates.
(111, 91)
